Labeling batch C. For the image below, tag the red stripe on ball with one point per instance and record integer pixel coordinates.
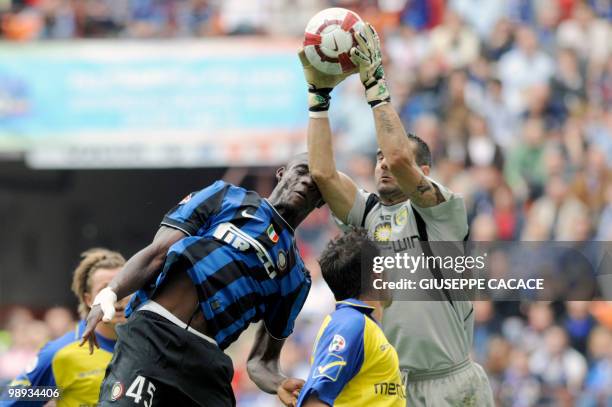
(349, 20)
(312, 39)
(345, 62)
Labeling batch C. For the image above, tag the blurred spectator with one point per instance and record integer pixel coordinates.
(239, 18)
(422, 14)
(425, 97)
(59, 320)
(493, 108)
(520, 387)
(486, 325)
(522, 67)
(455, 111)
(524, 169)
(568, 87)
(453, 43)
(578, 324)
(586, 34)
(557, 364)
(481, 148)
(197, 18)
(506, 213)
(540, 318)
(482, 15)
(605, 221)
(27, 336)
(22, 25)
(500, 41)
(483, 228)
(557, 211)
(597, 383)
(547, 15)
(406, 48)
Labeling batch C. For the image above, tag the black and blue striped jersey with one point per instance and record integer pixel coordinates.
(241, 256)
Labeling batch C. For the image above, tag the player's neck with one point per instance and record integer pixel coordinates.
(393, 198)
(107, 331)
(291, 216)
(378, 309)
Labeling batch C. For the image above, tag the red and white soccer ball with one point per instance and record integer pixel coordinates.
(329, 38)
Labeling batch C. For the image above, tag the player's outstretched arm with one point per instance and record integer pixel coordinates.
(337, 189)
(264, 369)
(390, 133)
(138, 270)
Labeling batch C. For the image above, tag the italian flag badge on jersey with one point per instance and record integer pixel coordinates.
(272, 233)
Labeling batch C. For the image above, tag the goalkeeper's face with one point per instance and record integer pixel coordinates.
(100, 279)
(386, 184)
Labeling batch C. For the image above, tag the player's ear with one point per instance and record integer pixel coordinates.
(279, 173)
(425, 169)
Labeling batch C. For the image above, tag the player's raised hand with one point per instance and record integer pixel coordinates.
(102, 309)
(368, 57)
(89, 335)
(289, 390)
(320, 85)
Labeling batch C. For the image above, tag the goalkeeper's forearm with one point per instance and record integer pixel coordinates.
(321, 155)
(391, 135)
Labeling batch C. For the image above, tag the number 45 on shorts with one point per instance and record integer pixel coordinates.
(135, 391)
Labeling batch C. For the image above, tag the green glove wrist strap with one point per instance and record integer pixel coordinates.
(377, 93)
(318, 101)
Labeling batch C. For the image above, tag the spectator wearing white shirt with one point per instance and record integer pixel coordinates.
(557, 364)
(523, 67)
(454, 43)
(586, 34)
(482, 15)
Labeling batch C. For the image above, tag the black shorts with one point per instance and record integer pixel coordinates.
(157, 363)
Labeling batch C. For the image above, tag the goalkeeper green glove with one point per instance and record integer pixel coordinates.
(368, 57)
(320, 86)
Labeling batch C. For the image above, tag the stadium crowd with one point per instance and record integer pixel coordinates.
(514, 97)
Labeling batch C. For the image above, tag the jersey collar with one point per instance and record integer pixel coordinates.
(280, 216)
(355, 304)
(104, 342)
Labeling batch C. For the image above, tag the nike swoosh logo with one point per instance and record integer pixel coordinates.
(335, 44)
(328, 366)
(248, 215)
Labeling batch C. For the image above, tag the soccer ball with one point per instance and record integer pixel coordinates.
(329, 38)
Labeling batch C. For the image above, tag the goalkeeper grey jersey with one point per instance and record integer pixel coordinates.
(428, 335)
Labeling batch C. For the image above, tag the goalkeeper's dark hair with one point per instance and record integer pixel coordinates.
(422, 153)
(92, 260)
(344, 260)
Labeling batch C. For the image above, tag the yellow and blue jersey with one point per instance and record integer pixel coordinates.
(62, 363)
(353, 364)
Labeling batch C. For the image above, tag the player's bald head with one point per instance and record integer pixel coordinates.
(301, 158)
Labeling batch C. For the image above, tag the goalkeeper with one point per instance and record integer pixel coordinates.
(433, 338)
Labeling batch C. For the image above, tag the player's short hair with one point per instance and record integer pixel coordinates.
(92, 260)
(297, 158)
(343, 261)
(422, 154)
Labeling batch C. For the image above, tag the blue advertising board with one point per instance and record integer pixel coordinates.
(192, 93)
